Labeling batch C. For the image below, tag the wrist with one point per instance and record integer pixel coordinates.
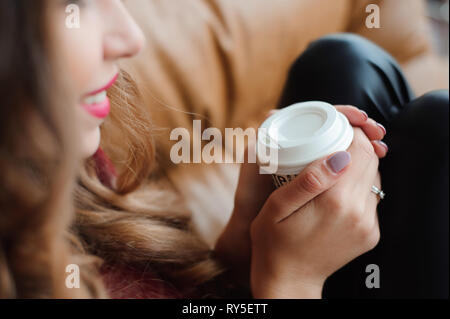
(287, 282)
(293, 289)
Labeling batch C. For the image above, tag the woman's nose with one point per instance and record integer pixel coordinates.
(123, 38)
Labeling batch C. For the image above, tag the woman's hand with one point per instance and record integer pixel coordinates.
(233, 246)
(316, 224)
(374, 131)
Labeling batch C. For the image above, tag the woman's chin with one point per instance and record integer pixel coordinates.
(90, 143)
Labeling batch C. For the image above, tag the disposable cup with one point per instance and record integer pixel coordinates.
(300, 134)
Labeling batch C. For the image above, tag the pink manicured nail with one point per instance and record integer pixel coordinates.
(382, 127)
(366, 117)
(384, 145)
(339, 161)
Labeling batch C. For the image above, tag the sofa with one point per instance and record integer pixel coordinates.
(225, 62)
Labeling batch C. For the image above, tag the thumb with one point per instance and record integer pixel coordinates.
(315, 179)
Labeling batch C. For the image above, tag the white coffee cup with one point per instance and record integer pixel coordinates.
(301, 134)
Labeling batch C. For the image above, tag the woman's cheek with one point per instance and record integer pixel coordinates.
(77, 55)
(84, 59)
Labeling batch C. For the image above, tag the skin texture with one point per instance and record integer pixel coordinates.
(89, 55)
(254, 240)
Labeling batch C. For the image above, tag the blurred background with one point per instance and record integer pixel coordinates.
(438, 12)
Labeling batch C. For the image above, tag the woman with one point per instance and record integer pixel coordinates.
(137, 227)
(55, 79)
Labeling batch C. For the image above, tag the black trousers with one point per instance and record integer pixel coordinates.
(412, 254)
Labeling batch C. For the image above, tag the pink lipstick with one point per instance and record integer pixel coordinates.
(97, 102)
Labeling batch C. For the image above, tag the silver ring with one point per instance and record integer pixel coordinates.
(378, 191)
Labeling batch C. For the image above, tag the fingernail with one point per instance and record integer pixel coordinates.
(384, 145)
(366, 117)
(382, 127)
(338, 161)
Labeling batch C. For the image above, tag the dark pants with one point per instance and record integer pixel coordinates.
(413, 251)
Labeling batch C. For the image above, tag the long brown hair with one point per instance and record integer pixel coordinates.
(140, 221)
(36, 159)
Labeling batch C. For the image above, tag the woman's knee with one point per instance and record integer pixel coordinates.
(348, 69)
(331, 69)
(340, 50)
(428, 115)
(343, 45)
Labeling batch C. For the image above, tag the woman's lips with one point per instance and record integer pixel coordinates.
(97, 103)
(98, 109)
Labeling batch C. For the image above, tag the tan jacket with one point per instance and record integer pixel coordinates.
(226, 61)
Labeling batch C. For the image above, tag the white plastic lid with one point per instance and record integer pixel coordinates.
(303, 133)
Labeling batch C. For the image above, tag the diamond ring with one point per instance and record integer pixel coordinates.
(378, 191)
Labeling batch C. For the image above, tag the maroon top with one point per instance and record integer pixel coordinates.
(124, 282)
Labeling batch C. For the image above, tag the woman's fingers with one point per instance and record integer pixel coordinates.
(377, 183)
(372, 215)
(380, 148)
(311, 182)
(367, 177)
(374, 130)
(355, 116)
(364, 165)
